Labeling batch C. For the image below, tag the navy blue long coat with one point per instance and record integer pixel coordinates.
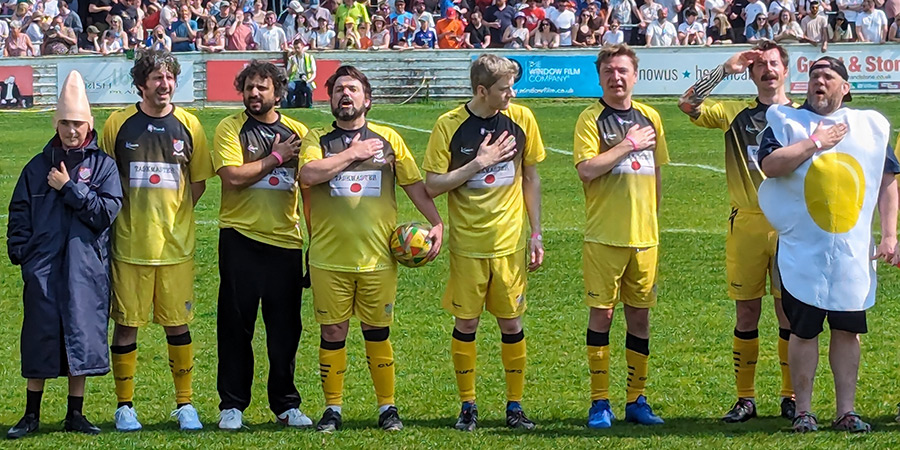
(61, 240)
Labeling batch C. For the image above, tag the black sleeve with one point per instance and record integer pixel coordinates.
(19, 228)
(767, 145)
(891, 165)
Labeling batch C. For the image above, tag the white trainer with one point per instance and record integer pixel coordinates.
(295, 418)
(126, 419)
(231, 419)
(188, 419)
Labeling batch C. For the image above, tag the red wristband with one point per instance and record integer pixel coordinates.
(278, 157)
(634, 145)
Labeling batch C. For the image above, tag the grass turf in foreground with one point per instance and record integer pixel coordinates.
(691, 378)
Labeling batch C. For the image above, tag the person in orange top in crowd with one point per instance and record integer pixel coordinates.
(450, 29)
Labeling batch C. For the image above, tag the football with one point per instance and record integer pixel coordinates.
(410, 244)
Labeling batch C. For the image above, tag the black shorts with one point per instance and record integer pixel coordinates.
(807, 320)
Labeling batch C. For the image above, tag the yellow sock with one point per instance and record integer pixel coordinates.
(512, 352)
(380, 357)
(462, 346)
(598, 364)
(332, 365)
(124, 367)
(787, 389)
(746, 352)
(637, 356)
(181, 361)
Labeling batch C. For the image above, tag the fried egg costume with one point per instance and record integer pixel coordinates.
(823, 211)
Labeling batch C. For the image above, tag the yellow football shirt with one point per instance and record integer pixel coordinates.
(266, 211)
(353, 215)
(158, 159)
(487, 213)
(742, 121)
(621, 205)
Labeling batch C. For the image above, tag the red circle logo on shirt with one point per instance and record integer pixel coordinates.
(355, 187)
(155, 179)
(635, 165)
(273, 181)
(490, 179)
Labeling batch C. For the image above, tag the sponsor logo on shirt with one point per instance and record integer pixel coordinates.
(84, 175)
(279, 179)
(329, 154)
(637, 163)
(467, 150)
(154, 175)
(178, 146)
(751, 129)
(486, 131)
(132, 145)
(152, 129)
(753, 157)
(252, 149)
(609, 136)
(379, 157)
(364, 183)
(500, 174)
(623, 121)
(267, 134)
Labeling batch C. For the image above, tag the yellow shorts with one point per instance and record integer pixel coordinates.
(494, 284)
(750, 256)
(369, 296)
(168, 290)
(619, 274)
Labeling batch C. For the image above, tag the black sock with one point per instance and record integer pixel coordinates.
(75, 404)
(33, 402)
(128, 404)
(179, 405)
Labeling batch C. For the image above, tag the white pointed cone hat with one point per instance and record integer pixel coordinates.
(73, 102)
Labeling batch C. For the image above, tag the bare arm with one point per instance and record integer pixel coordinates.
(197, 190)
(638, 138)
(488, 155)
(786, 159)
(322, 170)
(531, 191)
(887, 209)
(418, 194)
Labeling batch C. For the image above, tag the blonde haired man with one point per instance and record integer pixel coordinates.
(484, 155)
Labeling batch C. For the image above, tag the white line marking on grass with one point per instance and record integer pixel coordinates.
(667, 230)
(207, 222)
(3, 216)
(698, 166)
(556, 150)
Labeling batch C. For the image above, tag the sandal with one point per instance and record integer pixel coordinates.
(851, 422)
(805, 422)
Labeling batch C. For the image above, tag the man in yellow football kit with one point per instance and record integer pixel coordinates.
(163, 162)
(619, 148)
(750, 242)
(350, 170)
(260, 246)
(484, 154)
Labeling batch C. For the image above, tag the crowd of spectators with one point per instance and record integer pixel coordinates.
(58, 27)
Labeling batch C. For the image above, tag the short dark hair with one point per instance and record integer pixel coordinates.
(766, 45)
(611, 51)
(352, 72)
(263, 69)
(148, 60)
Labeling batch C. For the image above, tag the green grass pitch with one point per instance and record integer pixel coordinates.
(691, 376)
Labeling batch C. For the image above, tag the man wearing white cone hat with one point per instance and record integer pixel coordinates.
(59, 227)
(829, 167)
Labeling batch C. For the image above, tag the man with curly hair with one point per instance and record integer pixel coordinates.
(260, 246)
(163, 161)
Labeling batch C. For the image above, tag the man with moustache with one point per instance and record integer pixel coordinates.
(163, 161)
(350, 169)
(828, 167)
(750, 240)
(619, 148)
(260, 246)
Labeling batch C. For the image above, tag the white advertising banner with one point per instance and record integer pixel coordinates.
(108, 81)
(671, 71)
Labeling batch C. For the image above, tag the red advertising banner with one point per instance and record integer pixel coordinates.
(220, 79)
(16, 87)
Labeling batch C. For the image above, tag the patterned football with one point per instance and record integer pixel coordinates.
(410, 244)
